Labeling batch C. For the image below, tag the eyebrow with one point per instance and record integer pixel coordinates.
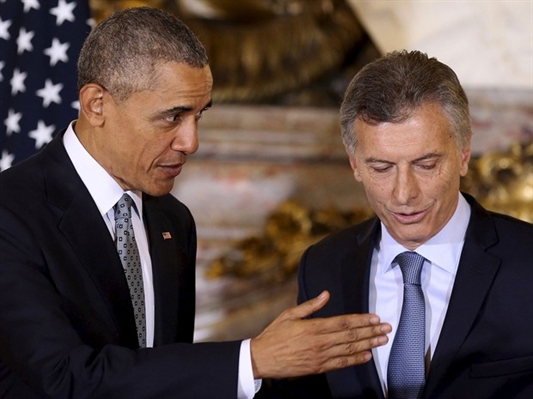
(430, 155)
(185, 108)
(424, 157)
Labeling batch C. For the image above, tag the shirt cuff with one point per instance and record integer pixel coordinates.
(247, 387)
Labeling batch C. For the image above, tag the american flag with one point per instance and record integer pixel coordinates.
(39, 45)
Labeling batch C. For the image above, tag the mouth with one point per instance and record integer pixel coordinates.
(171, 170)
(409, 217)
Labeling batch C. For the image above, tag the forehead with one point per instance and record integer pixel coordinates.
(427, 128)
(173, 77)
(173, 85)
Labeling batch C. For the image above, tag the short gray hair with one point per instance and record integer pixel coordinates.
(121, 53)
(390, 88)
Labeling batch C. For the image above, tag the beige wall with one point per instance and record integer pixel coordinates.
(488, 43)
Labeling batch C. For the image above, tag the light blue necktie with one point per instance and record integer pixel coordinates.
(406, 372)
(131, 263)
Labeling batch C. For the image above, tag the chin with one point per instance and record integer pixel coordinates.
(411, 238)
(158, 191)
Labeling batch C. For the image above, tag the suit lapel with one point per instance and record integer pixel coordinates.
(356, 270)
(85, 231)
(476, 272)
(167, 259)
(362, 379)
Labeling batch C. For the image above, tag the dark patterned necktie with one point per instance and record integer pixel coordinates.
(406, 372)
(131, 263)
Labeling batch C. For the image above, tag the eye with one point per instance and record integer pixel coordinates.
(427, 166)
(381, 168)
(172, 117)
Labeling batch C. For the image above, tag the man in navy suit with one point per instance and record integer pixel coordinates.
(67, 325)
(406, 129)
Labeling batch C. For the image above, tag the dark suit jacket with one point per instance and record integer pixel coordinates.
(485, 349)
(66, 320)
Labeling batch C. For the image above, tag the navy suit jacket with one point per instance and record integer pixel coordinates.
(485, 349)
(66, 320)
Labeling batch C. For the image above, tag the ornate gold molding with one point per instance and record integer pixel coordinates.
(503, 181)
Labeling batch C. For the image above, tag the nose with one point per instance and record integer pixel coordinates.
(406, 187)
(186, 138)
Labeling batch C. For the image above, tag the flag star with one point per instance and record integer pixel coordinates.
(6, 161)
(4, 26)
(12, 122)
(17, 82)
(42, 135)
(57, 52)
(29, 4)
(50, 93)
(75, 105)
(24, 41)
(63, 12)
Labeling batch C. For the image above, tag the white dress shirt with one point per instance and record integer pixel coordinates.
(105, 192)
(442, 253)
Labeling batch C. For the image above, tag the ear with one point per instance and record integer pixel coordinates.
(465, 158)
(92, 104)
(353, 164)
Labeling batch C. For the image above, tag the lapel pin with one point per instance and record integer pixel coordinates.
(166, 235)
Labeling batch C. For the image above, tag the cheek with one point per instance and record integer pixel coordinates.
(149, 156)
(376, 192)
(448, 179)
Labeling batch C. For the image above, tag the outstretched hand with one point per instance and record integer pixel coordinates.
(293, 346)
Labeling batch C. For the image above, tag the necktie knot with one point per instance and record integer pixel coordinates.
(123, 207)
(411, 266)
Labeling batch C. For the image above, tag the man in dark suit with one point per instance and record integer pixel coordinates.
(406, 128)
(71, 324)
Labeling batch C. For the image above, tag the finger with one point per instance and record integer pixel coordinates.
(309, 307)
(353, 340)
(344, 322)
(358, 340)
(340, 362)
(347, 354)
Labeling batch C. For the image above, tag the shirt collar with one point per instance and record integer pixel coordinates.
(104, 190)
(443, 249)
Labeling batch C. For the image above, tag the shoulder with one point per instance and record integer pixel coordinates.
(514, 235)
(31, 176)
(504, 222)
(346, 240)
(20, 174)
(358, 233)
(497, 227)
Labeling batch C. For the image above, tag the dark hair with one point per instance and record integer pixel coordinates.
(121, 53)
(390, 88)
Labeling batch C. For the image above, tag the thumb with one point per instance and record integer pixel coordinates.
(309, 307)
